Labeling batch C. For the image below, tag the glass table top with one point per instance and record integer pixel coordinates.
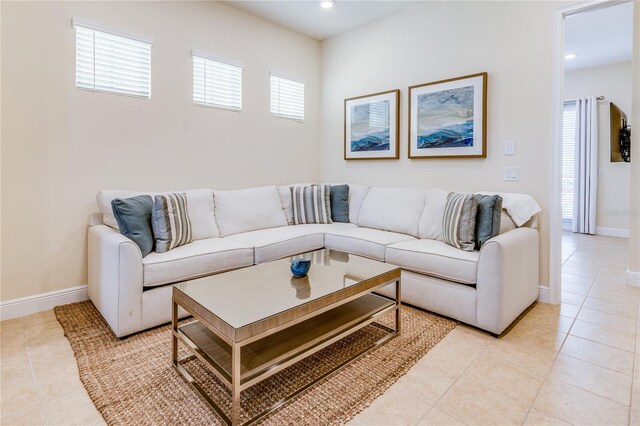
(244, 296)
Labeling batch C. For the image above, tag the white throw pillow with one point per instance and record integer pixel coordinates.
(201, 214)
(357, 194)
(431, 221)
(249, 209)
(393, 209)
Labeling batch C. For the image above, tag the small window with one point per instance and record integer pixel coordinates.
(107, 61)
(287, 98)
(216, 83)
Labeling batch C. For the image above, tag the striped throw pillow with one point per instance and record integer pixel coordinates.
(311, 204)
(170, 220)
(459, 221)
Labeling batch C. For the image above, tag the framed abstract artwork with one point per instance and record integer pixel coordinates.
(448, 118)
(371, 126)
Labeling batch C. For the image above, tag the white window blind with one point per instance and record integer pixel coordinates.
(108, 62)
(287, 98)
(216, 83)
(568, 149)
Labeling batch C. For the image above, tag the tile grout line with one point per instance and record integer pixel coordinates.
(548, 373)
(547, 377)
(453, 383)
(591, 363)
(557, 354)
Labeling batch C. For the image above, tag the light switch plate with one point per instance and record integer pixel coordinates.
(512, 174)
(510, 147)
(600, 172)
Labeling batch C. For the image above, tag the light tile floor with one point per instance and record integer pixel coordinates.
(573, 363)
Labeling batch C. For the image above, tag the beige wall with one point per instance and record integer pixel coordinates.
(614, 83)
(61, 145)
(439, 40)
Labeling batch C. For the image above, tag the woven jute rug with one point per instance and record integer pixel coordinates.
(132, 381)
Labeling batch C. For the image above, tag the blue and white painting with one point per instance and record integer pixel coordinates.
(370, 127)
(446, 119)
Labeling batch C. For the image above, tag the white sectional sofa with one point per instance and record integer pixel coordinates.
(234, 229)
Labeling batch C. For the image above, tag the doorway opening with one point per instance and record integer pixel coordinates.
(593, 180)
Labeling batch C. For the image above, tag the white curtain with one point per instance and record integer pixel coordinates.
(586, 166)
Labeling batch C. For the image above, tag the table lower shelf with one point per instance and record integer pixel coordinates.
(263, 356)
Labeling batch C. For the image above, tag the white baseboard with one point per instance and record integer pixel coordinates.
(544, 294)
(633, 278)
(612, 232)
(41, 302)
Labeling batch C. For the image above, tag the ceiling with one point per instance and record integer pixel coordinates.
(307, 17)
(599, 37)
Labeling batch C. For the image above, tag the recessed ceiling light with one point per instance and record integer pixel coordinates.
(327, 4)
(570, 56)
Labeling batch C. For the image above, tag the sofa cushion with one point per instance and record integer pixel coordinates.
(201, 214)
(435, 258)
(459, 222)
(170, 221)
(357, 194)
(133, 216)
(340, 203)
(276, 243)
(285, 199)
(202, 257)
(245, 210)
(431, 219)
(311, 204)
(363, 241)
(393, 209)
(506, 223)
(487, 218)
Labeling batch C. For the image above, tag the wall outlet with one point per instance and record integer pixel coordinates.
(512, 174)
(600, 172)
(510, 147)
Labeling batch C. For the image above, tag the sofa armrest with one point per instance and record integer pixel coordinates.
(508, 278)
(115, 278)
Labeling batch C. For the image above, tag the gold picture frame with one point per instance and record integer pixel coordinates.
(375, 121)
(444, 117)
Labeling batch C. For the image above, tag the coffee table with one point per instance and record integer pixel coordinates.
(254, 322)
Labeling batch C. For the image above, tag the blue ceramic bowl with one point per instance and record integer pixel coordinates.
(300, 267)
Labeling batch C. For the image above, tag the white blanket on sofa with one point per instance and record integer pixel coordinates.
(521, 207)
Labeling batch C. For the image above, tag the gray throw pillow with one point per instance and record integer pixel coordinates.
(459, 221)
(311, 204)
(133, 216)
(487, 218)
(340, 203)
(170, 220)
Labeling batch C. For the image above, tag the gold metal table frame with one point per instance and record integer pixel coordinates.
(305, 331)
